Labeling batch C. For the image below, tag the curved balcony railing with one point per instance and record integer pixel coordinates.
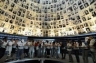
(37, 60)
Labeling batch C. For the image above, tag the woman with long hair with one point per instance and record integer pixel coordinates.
(31, 49)
(26, 49)
(14, 49)
(3, 49)
(69, 49)
(76, 50)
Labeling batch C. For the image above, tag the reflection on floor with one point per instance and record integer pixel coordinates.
(67, 59)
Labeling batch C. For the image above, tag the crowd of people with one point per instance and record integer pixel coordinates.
(15, 49)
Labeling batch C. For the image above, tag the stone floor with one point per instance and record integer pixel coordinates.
(64, 60)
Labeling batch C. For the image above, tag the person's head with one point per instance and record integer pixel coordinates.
(90, 37)
(28, 40)
(60, 42)
(12, 39)
(47, 41)
(22, 40)
(16, 40)
(5, 39)
(74, 42)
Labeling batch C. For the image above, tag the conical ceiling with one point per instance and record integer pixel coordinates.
(50, 18)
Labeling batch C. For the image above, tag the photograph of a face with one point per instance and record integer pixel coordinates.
(86, 12)
(81, 7)
(11, 9)
(15, 1)
(18, 13)
(16, 22)
(6, 20)
(92, 1)
(2, 11)
(75, 6)
(17, 18)
(88, 17)
(86, 4)
(78, 17)
(9, 16)
(12, 27)
(90, 9)
(5, 7)
(70, 9)
(88, 30)
(94, 14)
(13, 16)
(86, 24)
(6, 14)
(11, 21)
(12, 5)
(81, 26)
(22, 15)
(79, 2)
(19, 24)
(83, 18)
(14, 12)
(79, 21)
(23, 25)
(2, 25)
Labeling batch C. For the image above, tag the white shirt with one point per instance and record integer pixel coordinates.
(83, 44)
(10, 43)
(9, 47)
(92, 42)
(26, 46)
(77, 44)
(86, 39)
(48, 45)
(84, 29)
(4, 44)
(21, 45)
(69, 45)
(41, 45)
(51, 45)
(14, 46)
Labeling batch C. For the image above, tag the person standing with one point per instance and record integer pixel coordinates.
(92, 45)
(51, 49)
(76, 51)
(26, 49)
(48, 49)
(9, 48)
(63, 50)
(85, 50)
(3, 49)
(40, 49)
(69, 49)
(20, 50)
(36, 48)
(54, 49)
(31, 49)
(58, 50)
(43, 49)
(14, 49)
